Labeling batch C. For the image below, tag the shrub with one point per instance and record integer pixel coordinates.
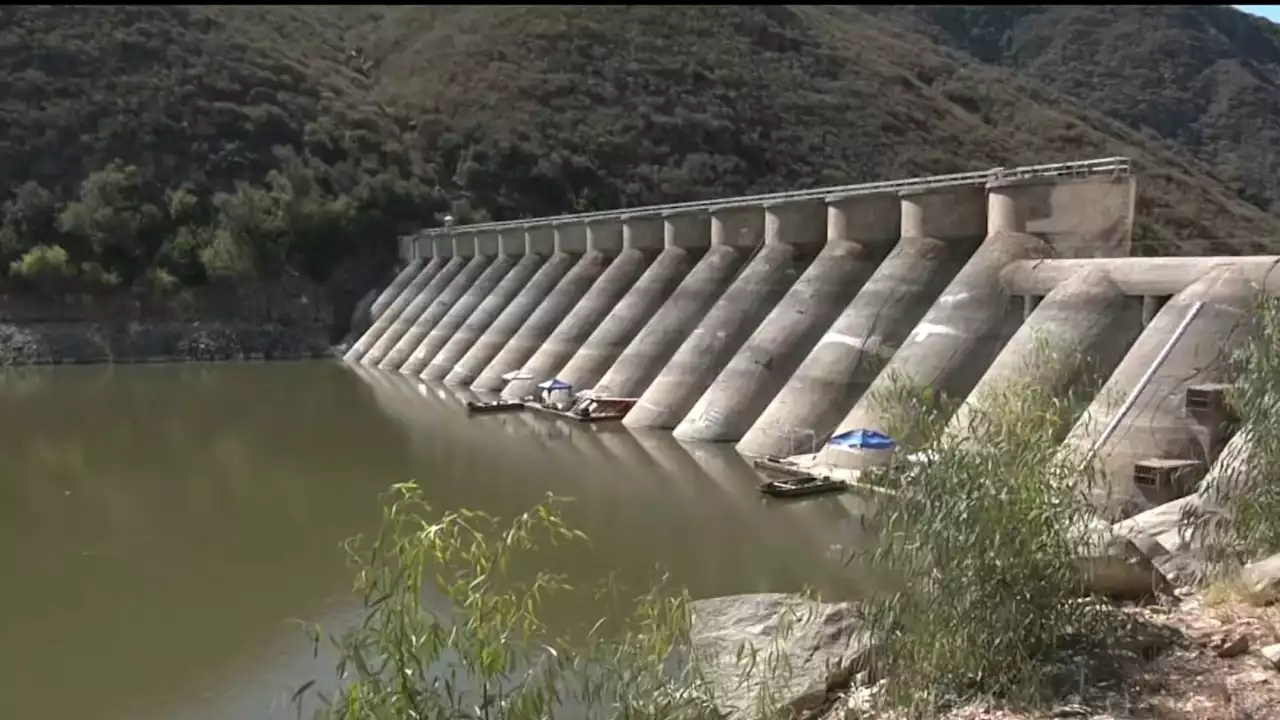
(979, 547)
(43, 262)
(480, 650)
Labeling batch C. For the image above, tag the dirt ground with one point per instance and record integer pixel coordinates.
(1197, 657)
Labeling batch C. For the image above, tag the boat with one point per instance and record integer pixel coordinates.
(588, 409)
(778, 466)
(493, 406)
(801, 486)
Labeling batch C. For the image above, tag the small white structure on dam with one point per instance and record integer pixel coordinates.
(774, 322)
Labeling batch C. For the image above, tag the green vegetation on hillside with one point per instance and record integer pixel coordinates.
(169, 144)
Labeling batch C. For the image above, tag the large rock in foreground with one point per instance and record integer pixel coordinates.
(802, 650)
(1115, 566)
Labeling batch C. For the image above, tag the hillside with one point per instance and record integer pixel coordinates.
(165, 146)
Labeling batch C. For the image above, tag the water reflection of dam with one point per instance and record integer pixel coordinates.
(636, 495)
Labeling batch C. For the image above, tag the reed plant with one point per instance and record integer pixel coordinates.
(979, 546)
(453, 630)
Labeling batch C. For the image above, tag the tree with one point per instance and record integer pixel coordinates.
(113, 219)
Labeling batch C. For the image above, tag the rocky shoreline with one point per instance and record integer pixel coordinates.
(255, 323)
(1187, 646)
(75, 343)
(1191, 654)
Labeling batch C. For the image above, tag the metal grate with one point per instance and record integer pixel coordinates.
(1169, 479)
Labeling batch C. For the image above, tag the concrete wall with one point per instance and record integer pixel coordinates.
(1156, 425)
(1078, 217)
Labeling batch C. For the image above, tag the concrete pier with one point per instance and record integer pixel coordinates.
(953, 344)
(537, 249)
(773, 352)
(508, 323)
(645, 356)
(735, 316)
(1073, 340)
(392, 312)
(856, 347)
(1156, 425)
(1142, 276)
(641, 302)
(472, 271)
(509, 249)
(577, 326)
(868, 332)
(396, 330)
(602, 241)
(393, 290)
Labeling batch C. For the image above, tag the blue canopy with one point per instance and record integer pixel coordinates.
(867, 439)
(554, 384)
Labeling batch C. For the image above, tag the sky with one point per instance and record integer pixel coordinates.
(1270, 12)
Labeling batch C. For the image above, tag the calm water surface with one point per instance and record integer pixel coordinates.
(161, 526)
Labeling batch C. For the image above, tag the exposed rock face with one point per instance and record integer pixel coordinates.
(217, 324)
(803, 650)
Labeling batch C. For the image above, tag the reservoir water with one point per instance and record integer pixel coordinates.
(162, 526)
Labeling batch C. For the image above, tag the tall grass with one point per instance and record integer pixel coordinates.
(981, 543)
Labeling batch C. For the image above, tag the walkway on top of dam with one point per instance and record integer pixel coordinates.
(776, 321)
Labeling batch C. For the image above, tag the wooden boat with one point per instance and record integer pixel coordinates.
(779, 466)
(590, 409)
(801, 486)
(493, 406)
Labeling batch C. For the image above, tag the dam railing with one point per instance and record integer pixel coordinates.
(1117, 166)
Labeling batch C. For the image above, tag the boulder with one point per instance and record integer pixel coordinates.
(1262, 578)
(776, 652)
(1115, 566)
(1164, 537)
(1164, 524)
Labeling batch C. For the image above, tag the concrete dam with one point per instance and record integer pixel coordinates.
(776, 322)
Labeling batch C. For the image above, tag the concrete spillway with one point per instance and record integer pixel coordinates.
(939, 231)
(1214, 315)
(421, 301)
(1072, 341)
(778, 346)
(856, 347)
(509, 322)
(639, 305)
(952, 345)
(479, 322)
(712, 344)
(392, 312)
(575, 284)
(577, 326)
(397, 286)
(484, 285)
(434, 312)
(651, 349)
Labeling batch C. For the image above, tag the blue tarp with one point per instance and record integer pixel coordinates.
(554, 384)
(863, 439)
